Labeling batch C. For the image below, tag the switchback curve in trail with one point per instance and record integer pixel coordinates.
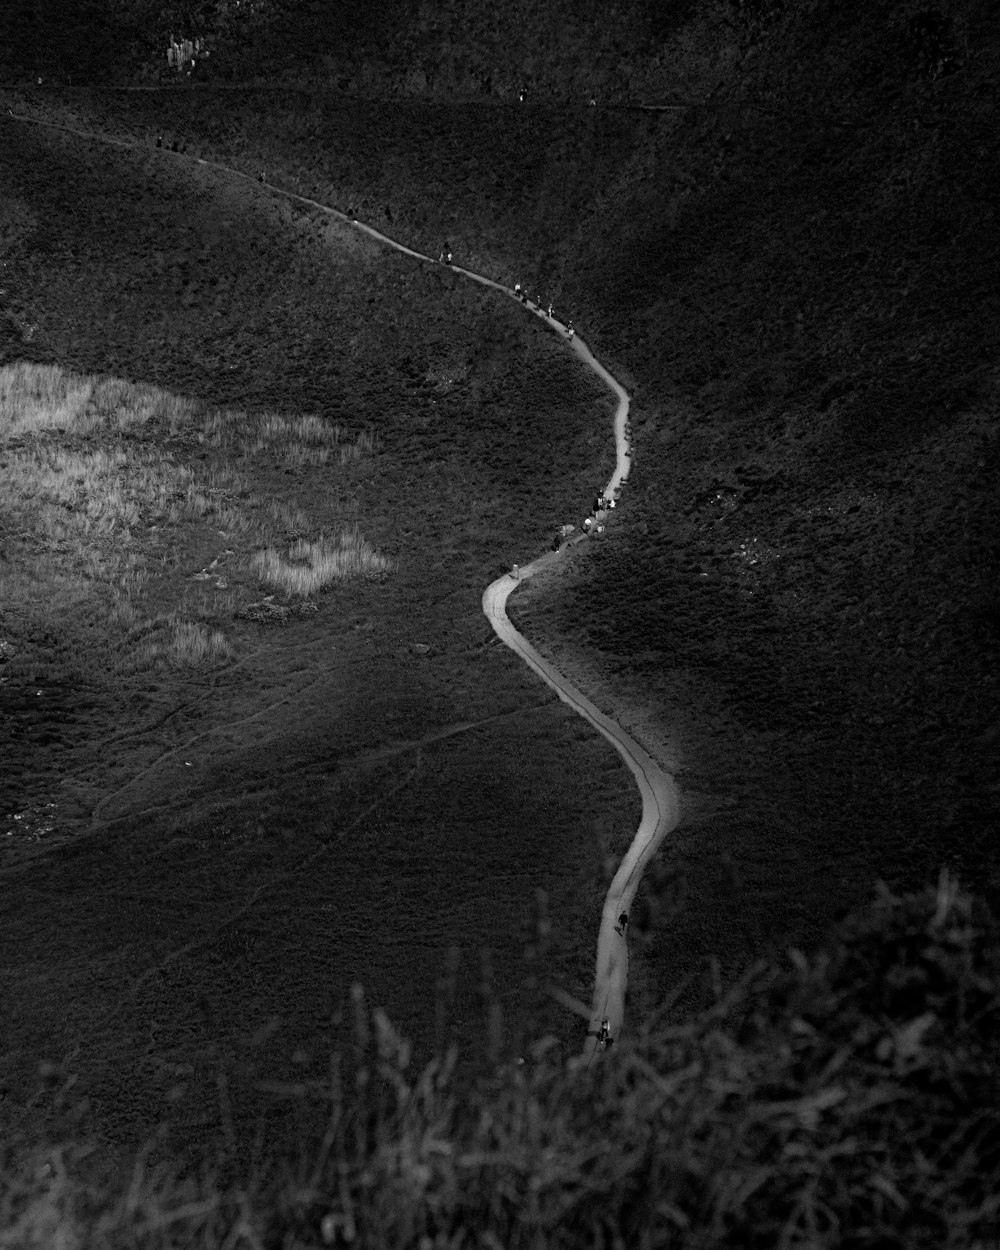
(660, 804)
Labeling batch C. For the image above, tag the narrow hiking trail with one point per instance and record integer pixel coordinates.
(660, 802)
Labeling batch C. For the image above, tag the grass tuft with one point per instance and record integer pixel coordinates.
(306, 567)
(173, 642)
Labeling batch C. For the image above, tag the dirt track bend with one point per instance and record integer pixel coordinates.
(660, 805)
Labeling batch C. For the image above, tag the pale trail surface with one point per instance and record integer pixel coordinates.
(660, 806)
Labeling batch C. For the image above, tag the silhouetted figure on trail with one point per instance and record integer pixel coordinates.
(159, 141)
(445, 257)
(622, 923)
(388, 214)
(175, 147)
(260, 177)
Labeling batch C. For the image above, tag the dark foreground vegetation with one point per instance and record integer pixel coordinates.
(228, 791)
(847, 1098)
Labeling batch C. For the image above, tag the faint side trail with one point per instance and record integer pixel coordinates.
(660, 804)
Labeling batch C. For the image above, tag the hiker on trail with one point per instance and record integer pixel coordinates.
(623, 921)
(518, 293)
(569, 330)
(604, 1038)
(445, 257)
(260, 177)
(159, 141)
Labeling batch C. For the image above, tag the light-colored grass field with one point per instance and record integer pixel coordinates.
(104, 519)
(44, 397)
(306, 567)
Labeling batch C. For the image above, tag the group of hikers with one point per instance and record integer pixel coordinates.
(521, 294)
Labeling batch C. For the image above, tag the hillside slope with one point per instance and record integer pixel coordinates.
(797, 274)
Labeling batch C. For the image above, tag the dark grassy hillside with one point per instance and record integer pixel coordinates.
(798, 278)
(812, 548)
(230, 846)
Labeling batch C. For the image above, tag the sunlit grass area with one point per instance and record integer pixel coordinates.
(306, 567)
(107, 520)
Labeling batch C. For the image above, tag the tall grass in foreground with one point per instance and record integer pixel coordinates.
(846, 1100)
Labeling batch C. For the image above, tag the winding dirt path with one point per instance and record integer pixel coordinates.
(660, 804)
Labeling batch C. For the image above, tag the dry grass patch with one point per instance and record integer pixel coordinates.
(104, 524)
(34, 398)
(289, 441)
(172, 642)
(306, 567)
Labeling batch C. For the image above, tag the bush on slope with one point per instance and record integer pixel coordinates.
(849, 1099)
